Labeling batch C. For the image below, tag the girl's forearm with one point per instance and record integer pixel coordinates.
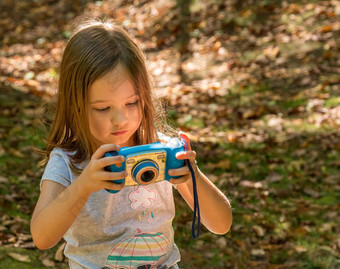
(215, 208)
(50, 224)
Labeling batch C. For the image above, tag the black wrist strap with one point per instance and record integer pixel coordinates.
(195, 232)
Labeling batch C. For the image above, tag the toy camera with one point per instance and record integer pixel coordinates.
(146, 164)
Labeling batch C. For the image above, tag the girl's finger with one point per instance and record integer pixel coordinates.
(113, 186)
(109, 176)
(103, 162)
(103, 149)
(179, 180)
(180, 171)
(114, 175)
(183, 155)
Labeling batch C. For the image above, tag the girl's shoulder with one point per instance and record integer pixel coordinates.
(59, 155)
(61, 152)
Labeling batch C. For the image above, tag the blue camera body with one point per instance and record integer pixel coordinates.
(146, 164)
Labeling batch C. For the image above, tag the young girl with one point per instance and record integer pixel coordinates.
(104, 103)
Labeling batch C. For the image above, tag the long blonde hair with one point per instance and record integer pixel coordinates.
(94, 49)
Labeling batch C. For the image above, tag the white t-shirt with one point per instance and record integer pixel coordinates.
(129, 229)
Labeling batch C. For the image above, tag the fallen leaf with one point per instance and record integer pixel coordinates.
(251, 184)
(312, 193)
(19, 257)
(223, 164)
(59, 256)
(259, 230)
(272, 52)
(3, 179)
(48, 263)
(274, 178)
(300, 249)
(221, 242)
(258, 253)
(327, 28)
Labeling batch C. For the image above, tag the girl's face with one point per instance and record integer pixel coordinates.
(114, 113)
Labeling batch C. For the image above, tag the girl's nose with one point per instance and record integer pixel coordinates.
(118, 117)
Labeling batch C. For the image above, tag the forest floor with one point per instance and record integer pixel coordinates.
(255, 83)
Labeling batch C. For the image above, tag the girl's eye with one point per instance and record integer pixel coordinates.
(132, 104)
(102, 109)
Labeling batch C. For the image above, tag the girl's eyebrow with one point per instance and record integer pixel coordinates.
(102, 101)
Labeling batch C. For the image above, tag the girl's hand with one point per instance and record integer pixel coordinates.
(184, 171)
(188, 155)
(95, 178)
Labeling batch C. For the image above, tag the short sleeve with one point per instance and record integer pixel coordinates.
(57, 168)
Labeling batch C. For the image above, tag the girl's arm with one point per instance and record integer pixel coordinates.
(58, 206)
(55, 212)
(214, 206)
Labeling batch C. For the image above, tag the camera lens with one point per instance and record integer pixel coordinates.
(147, 176)
(145, 172)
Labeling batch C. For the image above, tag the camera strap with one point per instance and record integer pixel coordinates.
(195, 232)
(195, 228)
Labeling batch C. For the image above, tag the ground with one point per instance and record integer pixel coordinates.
(256, 85)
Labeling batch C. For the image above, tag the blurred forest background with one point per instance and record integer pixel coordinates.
(255, 83)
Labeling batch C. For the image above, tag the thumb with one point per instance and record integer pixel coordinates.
(185, 137)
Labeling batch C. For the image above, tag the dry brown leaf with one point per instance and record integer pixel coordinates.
(260, 232)
(327, 28)
(259, 253)
(59, 256)
(251, 184)
(4, 179)
(19, 257)
(48, 263)
(300, 249)
(224, 164)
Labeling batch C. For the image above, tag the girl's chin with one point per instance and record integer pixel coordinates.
(120, 142)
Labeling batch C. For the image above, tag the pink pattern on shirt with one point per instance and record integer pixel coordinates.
(142, 197)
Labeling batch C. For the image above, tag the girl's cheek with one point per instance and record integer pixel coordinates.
(136, 114)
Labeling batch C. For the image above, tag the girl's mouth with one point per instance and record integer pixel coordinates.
(119, 133)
